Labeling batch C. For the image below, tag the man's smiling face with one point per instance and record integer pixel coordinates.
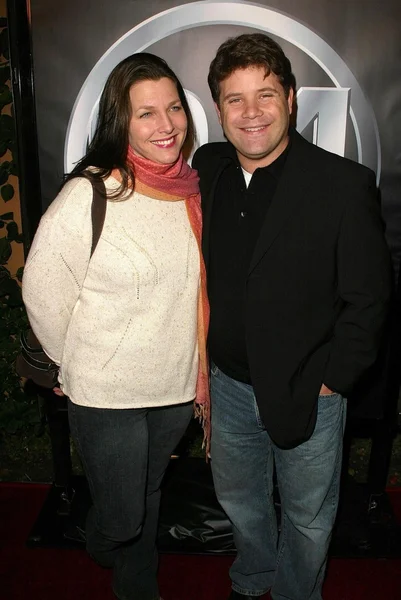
(254, 112)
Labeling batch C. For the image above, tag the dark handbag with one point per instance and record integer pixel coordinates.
(33, 362)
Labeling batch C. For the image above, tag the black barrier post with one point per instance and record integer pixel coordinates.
(25, 116)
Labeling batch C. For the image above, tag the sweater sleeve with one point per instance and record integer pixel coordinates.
(57, 264)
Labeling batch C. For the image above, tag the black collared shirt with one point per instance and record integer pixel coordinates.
(237, 217)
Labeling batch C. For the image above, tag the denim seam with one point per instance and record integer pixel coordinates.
(282, 540)
(81, 454)
(338, 467)
(79, 447)
(257, 414)
(268, 478)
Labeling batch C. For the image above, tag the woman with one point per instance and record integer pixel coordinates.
(128, 325)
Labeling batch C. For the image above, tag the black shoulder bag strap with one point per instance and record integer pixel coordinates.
(98, 210)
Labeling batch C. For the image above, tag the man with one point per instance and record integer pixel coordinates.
(299, 283)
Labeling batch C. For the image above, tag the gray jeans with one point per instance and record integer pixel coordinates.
(125, 454)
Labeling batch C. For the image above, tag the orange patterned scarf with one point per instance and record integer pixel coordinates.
(173, 183)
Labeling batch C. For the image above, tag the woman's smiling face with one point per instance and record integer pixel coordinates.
(158, 124)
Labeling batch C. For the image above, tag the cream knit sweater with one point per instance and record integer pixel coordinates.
(122, 325)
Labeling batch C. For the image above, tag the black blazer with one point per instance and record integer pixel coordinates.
(318, 284)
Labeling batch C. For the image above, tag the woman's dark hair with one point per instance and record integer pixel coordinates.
(109, 145)
(249, 50)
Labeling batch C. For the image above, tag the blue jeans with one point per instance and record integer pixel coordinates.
(125, 454)
(292, 565)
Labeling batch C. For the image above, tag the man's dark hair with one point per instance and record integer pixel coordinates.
(109, 146)
(249, 50)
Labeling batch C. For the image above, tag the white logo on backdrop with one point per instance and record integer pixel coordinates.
(326, 108)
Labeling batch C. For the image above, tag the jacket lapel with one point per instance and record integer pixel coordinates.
(207, 209)
(292, 187)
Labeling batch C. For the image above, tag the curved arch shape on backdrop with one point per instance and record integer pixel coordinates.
(224, 12)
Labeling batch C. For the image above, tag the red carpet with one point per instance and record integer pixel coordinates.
(48, 574)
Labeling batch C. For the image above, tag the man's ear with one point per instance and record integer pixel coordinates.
(216, 106)
(290, 100)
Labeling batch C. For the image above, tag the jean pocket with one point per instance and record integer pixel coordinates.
(257, 413)
(329, 396)
(214, 369)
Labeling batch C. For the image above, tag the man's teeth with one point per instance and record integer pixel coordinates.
(254, 128)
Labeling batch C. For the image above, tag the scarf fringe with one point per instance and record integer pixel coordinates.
(202, 413)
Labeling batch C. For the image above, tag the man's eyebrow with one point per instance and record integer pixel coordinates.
(264, 89)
